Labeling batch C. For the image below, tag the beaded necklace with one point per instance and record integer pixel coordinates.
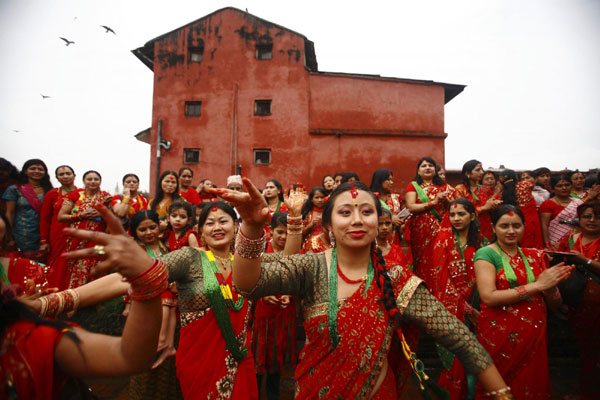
(332, 308)
(509, 272)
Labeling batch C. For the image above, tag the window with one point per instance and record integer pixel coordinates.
(195, 54)
(262, 156)
(264, 51)
(262, 107)
(193, 108)
(191, 156)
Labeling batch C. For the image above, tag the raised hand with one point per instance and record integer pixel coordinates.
(118, 250)
(295, 200)
(555, 275)
(251, 205)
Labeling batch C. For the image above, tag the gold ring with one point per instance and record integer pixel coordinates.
(100, 251)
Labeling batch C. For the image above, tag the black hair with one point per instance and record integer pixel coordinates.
(207, 207)
(436, 179)
(591, 179)
(278, 185)
(189, 209)
(160, 194)
(468, 167)
(346, 176)
(338, 174)
(493, 173)
(508, 179)
(497, 213)
(541, 171)
(13, 172)
(279, 218)
(554, 179)
(309, 205)
(7, 231)
(473, 235)
(572, 173)
(140, 217)
(129, 175)
(344, 187)
(327, 192)
(593, 204)
(45, 182)
(91, 171)
(528, 172)
(185, 169)
(63, 166)
(12, 310)
(379, 176)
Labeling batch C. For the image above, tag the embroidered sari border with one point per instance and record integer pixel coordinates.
(407, 292)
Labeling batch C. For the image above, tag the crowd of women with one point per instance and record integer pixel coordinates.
(477, 267)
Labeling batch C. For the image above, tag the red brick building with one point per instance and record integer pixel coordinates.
(233, 90)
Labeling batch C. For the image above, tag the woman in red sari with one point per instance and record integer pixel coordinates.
(382, 184)
(392, 252)
(557, 210)
(520, 194)
(53, 240)
(470, 189)
(426, 200)
(311, 215)
(452, 254)
(513, 284)
(585, 319)
(79, 209)
(273, 194)
(131, 202)
(189, 193)
(352, 305)
(166, 192)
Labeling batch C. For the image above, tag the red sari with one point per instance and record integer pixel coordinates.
(137, 203)
(51, 231)
(454, 285)
(585, 320)
(191, 196)
(314, 231)
(350, 370)
(532, 238)
(515, 335)
(28, 355)
(478, 197)
(396, 256)
(79, 271)
(423, 227)
(281, 207)
(274, 335)
(26, 273)
(205, 367)
(173, 243)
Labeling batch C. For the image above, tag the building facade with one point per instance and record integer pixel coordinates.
(233, 92)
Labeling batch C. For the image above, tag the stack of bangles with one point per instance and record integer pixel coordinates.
(294, 225)
(149, 284)
(522, 292)
(57, 303)
(249, 248)
(500, 394)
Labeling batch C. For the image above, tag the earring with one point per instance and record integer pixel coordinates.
(331, 239)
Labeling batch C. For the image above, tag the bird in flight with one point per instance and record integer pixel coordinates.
(108, 29)
(67, 41)
(16, 130)
(44, 96)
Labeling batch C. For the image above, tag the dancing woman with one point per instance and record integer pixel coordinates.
(514, 285)
(349, 328)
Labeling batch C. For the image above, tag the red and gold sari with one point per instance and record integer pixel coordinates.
(454, 286)
(515, 335)
(350, 370)
(79, 270)
(423, 227)
(532, 238)
(137, 203)
(478, 197)
(585, 320)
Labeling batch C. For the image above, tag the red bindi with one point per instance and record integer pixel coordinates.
(455, 205)
(353, 191)
(510, 214)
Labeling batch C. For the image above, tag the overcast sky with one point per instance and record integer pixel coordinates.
(532, 70)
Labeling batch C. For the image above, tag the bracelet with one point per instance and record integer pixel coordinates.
(294, 220)
(249, 248)
(501, 394)
(294, 230)
(126, 199)
(150, 283)
(57, 303)
(522, 292)
(589, 261)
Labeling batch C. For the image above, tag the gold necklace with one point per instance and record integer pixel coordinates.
(223, 260)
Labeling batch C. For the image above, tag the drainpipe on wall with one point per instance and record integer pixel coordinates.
(158, 141)
(234, 136)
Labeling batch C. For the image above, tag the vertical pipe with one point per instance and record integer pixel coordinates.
(158, 141)
(235, 125)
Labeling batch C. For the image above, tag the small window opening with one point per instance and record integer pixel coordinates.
(262, 107)
(193, 108)
(262, 156)
(195, 54)
(264, 51)
(191, 156)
